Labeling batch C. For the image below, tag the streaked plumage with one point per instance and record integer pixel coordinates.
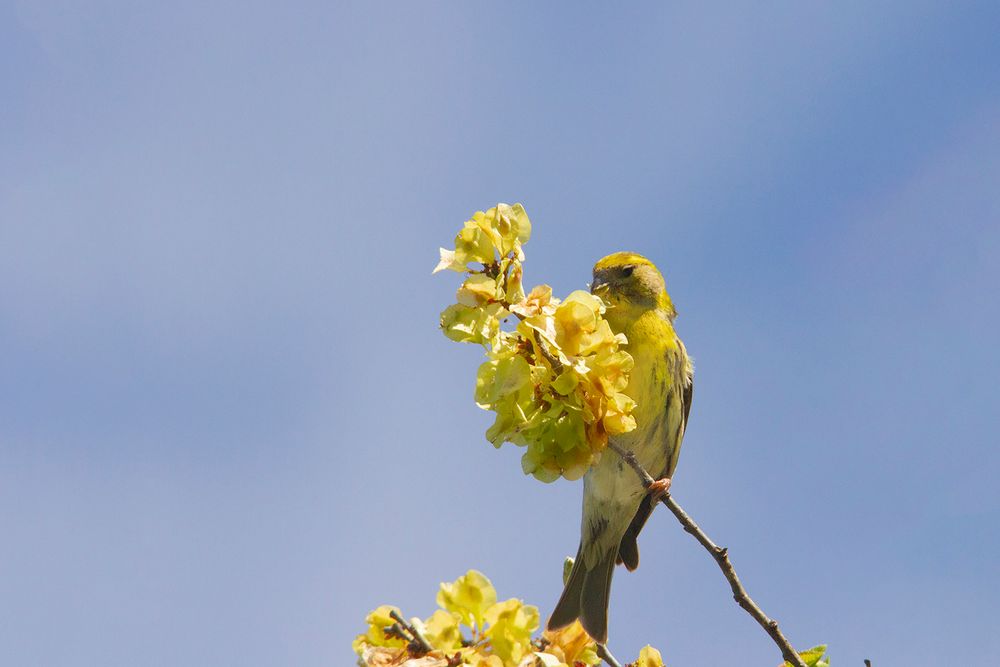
(615, 504)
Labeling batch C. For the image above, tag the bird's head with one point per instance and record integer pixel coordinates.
(631, 283)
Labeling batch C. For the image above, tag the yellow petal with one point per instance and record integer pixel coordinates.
(649, 657)
(442, 630)
(448, 261)
(510, 625)
(477, 290)
(469, 596)
(572, 644)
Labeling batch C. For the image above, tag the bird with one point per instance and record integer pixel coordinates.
(616, 505)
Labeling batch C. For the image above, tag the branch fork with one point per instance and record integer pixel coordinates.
(405, 630)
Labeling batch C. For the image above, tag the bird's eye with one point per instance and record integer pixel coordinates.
(627, 271)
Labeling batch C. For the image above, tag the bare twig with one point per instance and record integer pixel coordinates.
(604, 654)
(721, 556)
(396, 631)
(552, 359)
(418, 638)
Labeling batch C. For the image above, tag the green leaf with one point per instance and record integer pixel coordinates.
(814, 657)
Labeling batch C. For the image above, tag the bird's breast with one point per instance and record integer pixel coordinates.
(653, 386)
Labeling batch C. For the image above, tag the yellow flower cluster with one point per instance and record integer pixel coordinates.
(556, 379)
(472, 628)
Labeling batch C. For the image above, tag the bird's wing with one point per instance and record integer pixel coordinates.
(628, 550)
(688, 397)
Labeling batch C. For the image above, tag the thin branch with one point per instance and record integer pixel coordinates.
(721, 556)
(397, 632)
(418, 638)
(604, 654)
(552, 359)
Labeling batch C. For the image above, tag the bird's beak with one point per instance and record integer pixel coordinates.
(600, 285)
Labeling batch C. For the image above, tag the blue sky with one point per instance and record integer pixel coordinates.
(229, 426)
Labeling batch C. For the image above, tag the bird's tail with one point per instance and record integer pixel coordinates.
(586, 597)
(568, 607)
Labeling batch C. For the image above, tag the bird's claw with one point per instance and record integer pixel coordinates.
(659, 489)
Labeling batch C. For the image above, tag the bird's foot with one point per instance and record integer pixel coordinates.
(659, 489)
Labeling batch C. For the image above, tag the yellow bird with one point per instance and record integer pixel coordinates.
(615, 504)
